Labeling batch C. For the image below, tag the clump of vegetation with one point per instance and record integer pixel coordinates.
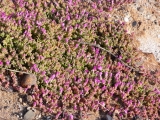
(81, 58)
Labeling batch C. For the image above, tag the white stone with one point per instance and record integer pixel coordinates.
(126, 19)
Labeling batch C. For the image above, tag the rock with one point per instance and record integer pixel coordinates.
(29, 98)
(134, 23)
(126, 19)
(140, 9)
(17, 116)
(151, 1)
(38, 117)
(29, 80)
(29, 108)
(20, 106)
(30, 115)
(20, 114)
(108, 117)
(137, 118)
(24, 104)
(5, 107)
(20, 100)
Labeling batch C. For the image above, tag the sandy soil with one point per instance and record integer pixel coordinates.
(143, 18)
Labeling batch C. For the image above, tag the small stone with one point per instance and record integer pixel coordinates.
(17, 116)
(30, 115)
(20, 100)
(140, 9)
(29, 98)
(151, 1)
(20, 114)
(20, 107)
(24, 104)
(29, 108)
(38, 117)
(126, 19)
(158, 36)
(29, 80)
(108, 117)
(5, 107)
(134, 24)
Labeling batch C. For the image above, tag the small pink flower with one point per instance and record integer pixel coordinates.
(39, 23)
(1, 63)
(34, 104)
(129, 60)
(99, 68)
(71, 117)
(59, 37)
(110, 8)
(8, 62)
(58, 114)
(43, 31)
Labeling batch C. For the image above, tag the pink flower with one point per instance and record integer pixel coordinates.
(99, 68)
(71, 117)
(8, 62)
(39, 23)
(103, 88)
(43, 31)
(58, 114)
(129, 60)
(34, 104)
(68, 18)
(1, 63)
(35, 68)
(97, 81)
(61, 90)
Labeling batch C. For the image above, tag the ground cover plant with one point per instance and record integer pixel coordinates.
(83, 61)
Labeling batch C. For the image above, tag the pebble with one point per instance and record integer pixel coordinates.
(20, 114)
(29, 115)
(20, 100)
(29, 108)
(20, 107)
(158, 36)
(38, 117)
(151, 1)
(5, 107)
(29, 80)
(17, 116)
(29, 98)
(126, 19)
(140, 9)
(108, 117)
(24, 104)
(137, 118)
(134, 23)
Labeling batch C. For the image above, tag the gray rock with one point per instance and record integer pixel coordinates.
(30, 115)
(108, 117)
(134, 23)
(137, 118)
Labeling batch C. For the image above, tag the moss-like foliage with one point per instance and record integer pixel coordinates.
(48, 38)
